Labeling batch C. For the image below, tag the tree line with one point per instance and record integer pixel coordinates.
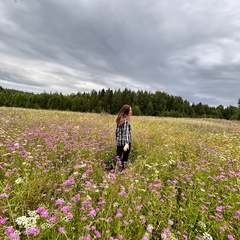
(110, 101)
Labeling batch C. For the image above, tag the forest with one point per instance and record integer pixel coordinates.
(143, 103)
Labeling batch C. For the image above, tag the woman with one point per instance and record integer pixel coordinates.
(123, 134)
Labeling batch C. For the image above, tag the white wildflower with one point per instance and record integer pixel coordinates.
(207, 236)
(19, 180)
(47, 225)
(202, 225)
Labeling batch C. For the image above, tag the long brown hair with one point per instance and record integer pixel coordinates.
(123, 114)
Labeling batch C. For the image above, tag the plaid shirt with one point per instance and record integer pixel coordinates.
(123, 133)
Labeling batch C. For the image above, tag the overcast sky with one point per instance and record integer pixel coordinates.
(184, 48)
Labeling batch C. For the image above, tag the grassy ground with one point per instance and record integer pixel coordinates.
(181, 181)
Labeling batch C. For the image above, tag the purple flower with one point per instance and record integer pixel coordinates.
(3, 220)
(52, 219)
(230, 237)
(14, 236)
(32, 231)
(119, 214)
(97, 234)
(149, 229)
(88, 237)
(61, 230)
(220, 208)
(166, 231)
(59, 202)
(92, 212)
(9, 230)
(65, 208)
(170, 222)
(4, 195)
(40, 210)
(139, 207)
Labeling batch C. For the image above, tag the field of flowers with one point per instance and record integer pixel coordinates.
(181, 181)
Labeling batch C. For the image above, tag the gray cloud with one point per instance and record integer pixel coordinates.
(190, 49)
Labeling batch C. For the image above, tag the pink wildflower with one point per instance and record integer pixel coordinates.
(4, 195)
(98, 234)
(14, 236)
(149, 229)
(220, 208)
(32, 231)
(166, 231)
(92, 212)
(65, 208)
(59, 201)
(3, 220)
(170, 222)
(52, 219)
(119, 214)
(9, 230)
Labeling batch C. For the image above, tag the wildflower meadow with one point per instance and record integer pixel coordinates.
(56, 181)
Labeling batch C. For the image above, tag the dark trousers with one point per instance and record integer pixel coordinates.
(123, 155)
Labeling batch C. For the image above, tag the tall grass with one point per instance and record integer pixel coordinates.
(181, 181)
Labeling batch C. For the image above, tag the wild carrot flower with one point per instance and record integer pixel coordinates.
(207, 236)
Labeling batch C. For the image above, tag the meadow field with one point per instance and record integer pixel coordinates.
(181, 181)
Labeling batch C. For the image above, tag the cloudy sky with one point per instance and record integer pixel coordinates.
(184, 48)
